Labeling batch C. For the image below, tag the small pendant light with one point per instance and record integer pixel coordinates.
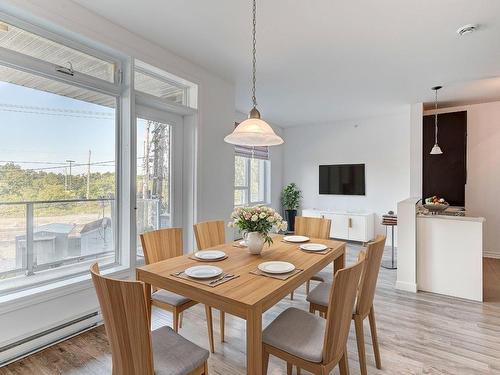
(436, 150)
(254, 131)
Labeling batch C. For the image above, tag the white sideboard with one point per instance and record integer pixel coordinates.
(346, 225)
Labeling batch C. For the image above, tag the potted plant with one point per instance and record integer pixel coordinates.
(256, 223)
(290, 200)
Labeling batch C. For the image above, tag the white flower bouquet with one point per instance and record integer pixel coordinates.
(260, 219)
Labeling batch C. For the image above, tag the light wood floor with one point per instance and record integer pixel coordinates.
(419, 334)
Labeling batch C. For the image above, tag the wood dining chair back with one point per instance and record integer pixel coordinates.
(307, 341)
(209, 234)
(338, 318)
(162, 244)
(314, 227)
(123, 306)
(372, 257)
(368, 284)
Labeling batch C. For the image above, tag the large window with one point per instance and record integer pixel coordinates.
(58, 179)
(251, 180)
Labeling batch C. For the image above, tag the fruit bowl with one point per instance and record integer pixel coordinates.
(436, 207)
(436, 204)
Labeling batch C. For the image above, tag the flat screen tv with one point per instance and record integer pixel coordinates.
(342, 179)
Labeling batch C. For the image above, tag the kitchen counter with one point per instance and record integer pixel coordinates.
(453, 217)
(450, 255)
(439, 253)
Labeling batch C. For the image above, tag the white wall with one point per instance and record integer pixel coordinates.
(416, 140)
(213, 161)
(483, 168)
(382, 143)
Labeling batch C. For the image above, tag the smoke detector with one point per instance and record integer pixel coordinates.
(467, 29)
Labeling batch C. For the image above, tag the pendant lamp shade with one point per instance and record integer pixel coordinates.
(436, 150)
(254, 132)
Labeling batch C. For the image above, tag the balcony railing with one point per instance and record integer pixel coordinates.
(41, 235)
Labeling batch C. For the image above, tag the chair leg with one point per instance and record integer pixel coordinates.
(308, 287)
(373, 330)
(291, 296)
(289, 368)
(175, 316)
(344, 364)
(208, 313)
(222, 326)
(360, 338)
(299, 371)
(265, 361)
(180, 319)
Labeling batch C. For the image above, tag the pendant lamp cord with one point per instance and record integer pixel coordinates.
(436, 118)
(254, 52)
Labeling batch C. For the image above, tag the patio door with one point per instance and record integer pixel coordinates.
(158, 171)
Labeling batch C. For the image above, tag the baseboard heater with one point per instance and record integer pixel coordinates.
(32, 344)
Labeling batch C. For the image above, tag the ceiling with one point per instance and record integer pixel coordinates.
(328, 60)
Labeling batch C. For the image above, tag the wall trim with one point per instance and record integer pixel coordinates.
(49, 337)
(491, 254)
(407, 287)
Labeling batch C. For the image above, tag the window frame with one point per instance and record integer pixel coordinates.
(175, 121)
(32, 65)
(247, 188)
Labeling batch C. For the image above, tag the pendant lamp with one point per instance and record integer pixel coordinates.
(436, 150)
(254, 131)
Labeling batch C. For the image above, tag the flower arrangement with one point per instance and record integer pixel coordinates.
(260, 219)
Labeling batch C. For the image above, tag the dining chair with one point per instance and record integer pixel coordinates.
(313, 227)
(134, 348)
(160, 245)
(318, 300)
(310, 342)
(210, 234)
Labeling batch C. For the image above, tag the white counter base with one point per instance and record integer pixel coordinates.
(450, 256)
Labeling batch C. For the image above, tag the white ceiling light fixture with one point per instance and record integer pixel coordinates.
(436, 150)
(254, 131)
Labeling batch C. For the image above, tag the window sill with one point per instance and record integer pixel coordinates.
(27, 297)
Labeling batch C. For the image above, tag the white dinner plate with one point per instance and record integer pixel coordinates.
(203, 272)
(313, 247)
(243, 243)
(210, 254)
(276, 267)
(296, 239)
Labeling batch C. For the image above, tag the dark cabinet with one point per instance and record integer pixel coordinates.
(445, 175)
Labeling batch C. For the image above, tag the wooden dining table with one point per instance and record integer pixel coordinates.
(247, 296)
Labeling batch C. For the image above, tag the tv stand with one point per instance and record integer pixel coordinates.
(347, 225)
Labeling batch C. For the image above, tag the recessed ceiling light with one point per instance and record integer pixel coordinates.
(467, 29)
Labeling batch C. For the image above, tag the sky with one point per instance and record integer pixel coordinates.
(46, 136)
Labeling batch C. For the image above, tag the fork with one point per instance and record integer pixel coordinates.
(220, 278)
